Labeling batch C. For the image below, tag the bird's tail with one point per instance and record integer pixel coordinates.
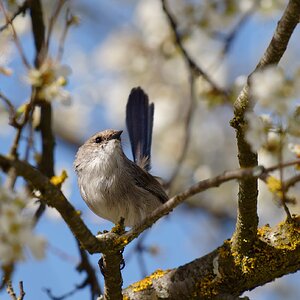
(139, 122)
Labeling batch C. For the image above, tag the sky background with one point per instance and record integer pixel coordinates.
(187, 233)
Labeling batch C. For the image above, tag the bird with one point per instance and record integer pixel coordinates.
(113, 186)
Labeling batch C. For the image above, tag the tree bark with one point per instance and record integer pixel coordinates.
(221, 274)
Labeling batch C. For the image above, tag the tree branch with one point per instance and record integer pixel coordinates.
(20, 11)
(53, 197)
(221, 274)
(38, 30)
(111, 270)
(247, 219)
(187, 131)
(105, 243)
(11, 111)
(291, 182)
(15, 36)
(91, 278)
(11, 292)
(197, 70)
(241, 174)
(46, 164)
(53, 19)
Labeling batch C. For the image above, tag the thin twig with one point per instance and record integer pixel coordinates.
(15, 36)
(291, 182)
(72, 292)
(11, 292)
(27, 112)
(199, 187)
(188, 59)
(229, 39)
(187, 131)
(53, 19)
(61, 254)
(283, 191)
(12, 176)
(138, 251)
(11, 111)
(91, 278)
(61, 297)
(84, 265)
(194, 70)
(63, 37)
(22, 292)
(21, 10)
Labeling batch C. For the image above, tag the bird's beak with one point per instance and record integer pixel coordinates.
(117, 134)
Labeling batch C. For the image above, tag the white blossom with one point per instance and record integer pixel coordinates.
(50, 79)
(16, 232)
(6, 50)
(150, 17)
(273, 141)
(245, 5)
(294, 148)
(269, 7)
(294, 123)
(267, 89)
(256, 131)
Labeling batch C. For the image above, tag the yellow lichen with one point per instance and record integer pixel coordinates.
(284, 236)
(78, 213)
(261, 231)
(59, 180)
(147, 281)
(119, 228)
(158, 273)
(248, 264)
(223, 252)
(122, 241)
(206, 286)
(274, 186)
(141, 285)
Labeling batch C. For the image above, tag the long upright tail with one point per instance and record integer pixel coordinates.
(139, 121)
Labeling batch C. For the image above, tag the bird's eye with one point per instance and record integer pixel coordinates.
(98, 139)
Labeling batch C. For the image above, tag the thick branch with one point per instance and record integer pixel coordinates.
(247, 219)
(46, 164)
(38, 29)
(111, 270)
(221, 275)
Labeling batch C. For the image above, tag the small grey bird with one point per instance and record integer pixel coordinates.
(113, 186)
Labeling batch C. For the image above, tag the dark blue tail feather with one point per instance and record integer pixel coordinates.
(139, 121)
